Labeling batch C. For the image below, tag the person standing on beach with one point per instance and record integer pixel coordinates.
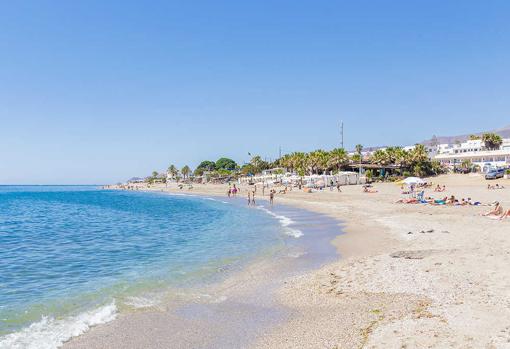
(271, 197)
(253, 197)
(249, 198)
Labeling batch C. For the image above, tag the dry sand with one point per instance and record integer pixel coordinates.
(409, 276)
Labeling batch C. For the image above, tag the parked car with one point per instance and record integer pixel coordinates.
(495, 174)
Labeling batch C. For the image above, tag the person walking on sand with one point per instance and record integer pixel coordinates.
(271, 197)
(338, 187)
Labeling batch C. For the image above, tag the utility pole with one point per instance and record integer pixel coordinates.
(280, 152)
(342, 133)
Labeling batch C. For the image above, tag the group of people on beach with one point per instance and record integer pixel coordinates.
(232, 191)
(419, 198)
(496, 213)
(251, 193)
(449, 201)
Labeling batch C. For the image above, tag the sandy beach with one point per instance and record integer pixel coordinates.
(408, 276)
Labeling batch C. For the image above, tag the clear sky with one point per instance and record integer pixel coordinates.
(99, 91)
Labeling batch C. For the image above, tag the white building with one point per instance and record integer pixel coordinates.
(475, 152)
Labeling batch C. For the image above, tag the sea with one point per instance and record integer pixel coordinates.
(72, 257)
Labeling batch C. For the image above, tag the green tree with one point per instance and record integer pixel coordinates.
(492, 141)
(337, 158)
(298, 160)
(317, 161)
(359, 149)
(258, 164)
(185, 171)
(205, 166)
(226, 164)
(380, 157)
(172, 171)
(247, 169)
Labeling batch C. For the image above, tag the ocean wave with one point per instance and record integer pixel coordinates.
(285, 222)
(216, 200)
(50, 333)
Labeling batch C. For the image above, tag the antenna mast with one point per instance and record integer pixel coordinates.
(342, 133)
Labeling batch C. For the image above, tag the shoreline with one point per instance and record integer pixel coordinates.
(247, 295)
(408, 276)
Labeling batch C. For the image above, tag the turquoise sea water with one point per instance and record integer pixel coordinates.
(71, 256)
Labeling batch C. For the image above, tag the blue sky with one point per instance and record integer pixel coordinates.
(97, 92)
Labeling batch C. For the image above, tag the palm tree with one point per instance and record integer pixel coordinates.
(172, 171)
(380, 157)
(420, 161)
(185, 171)
(286, 162)
(299, 162)
(258, 164)
(492, 141)
(318, 161)
(419, 154)
(359, 149)
(402, 158)
(337, 158)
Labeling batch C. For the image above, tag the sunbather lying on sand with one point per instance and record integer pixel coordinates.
(366, 190)
(505, 215)
(407, 201)
(498, 210)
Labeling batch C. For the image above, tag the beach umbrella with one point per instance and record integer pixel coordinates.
(413, 180)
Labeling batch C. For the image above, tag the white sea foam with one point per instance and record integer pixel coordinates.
(285, 222)
(213, 199)
(142, 302)
(296, 254)
(50, 333)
